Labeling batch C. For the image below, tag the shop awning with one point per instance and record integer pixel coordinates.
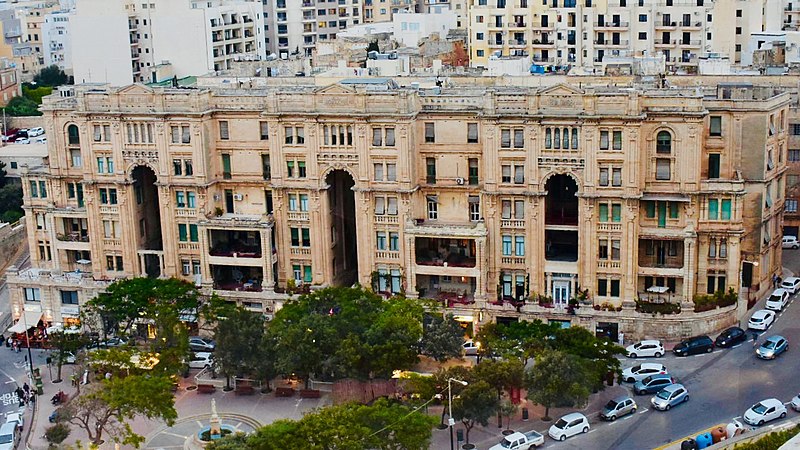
(29, 320)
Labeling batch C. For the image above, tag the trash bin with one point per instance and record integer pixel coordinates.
(459, 435)
(689, 444)
(718, 434)
(525, 414)
(704, 440)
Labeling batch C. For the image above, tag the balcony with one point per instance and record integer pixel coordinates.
(237, 278)
(610, 25)
(235, 243)
(689, 26)
(73, 237)
(521, 24)
(662, 254)
(444, 252)
(542, 27)
(517, 42)
(694, 43)
(450, 291)
(664, 42)
(612, 43)
(541, 59)
(542, 43)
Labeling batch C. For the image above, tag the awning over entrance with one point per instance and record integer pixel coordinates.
(28, 320)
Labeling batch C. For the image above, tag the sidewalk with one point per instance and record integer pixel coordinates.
(485, 437)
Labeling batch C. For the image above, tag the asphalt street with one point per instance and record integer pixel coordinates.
(722, 385)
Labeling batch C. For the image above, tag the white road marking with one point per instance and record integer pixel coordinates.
(11, 381)
(736, 346)
(591, 431)
(644, 411)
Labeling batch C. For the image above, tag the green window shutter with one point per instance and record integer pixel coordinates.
(713, 209)
(193, 233)
(307, 274)
(182, 232)
(673, 210)
(726, 209)
(650, 208)
(603, 212)
(616, 212)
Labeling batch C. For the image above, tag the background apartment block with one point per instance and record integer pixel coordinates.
(297, 25)
(476, 196)
(121, 42)
(57, 40)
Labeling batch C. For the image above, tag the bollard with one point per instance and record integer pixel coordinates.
(460, 436)
(524, 414)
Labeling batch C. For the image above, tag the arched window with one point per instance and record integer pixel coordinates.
(664, 142)
(72, 135)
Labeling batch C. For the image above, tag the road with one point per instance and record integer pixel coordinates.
(722, 385)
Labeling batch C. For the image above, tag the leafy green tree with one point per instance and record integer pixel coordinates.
(523, 339)
(240, 339)
(475, 404)
(599, 354)
(236, 441)
(558, 379)
(107, 407)
(502, 375)
(22, 106)
(506, 410)
(51, 76)
(10, 198)
(57, 433)
(3, 174)
(442, 338)
(35, 93)
(441, 376)
(62, 345)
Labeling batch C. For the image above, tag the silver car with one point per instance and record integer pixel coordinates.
(670, 396)
(618, 407)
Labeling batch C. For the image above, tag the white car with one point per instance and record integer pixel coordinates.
(642, 371)
(778, 299)
(42, 140)
(36, 131)
(569, 425)
(764, 411)
(22, 141)
(201, 360)
(645, 348)
(790, 242)
(796, 403)
(470, 347)
(761, 320)
(791, 284)
(15, 418)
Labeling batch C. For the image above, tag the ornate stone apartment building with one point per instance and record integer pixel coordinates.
(483, 197)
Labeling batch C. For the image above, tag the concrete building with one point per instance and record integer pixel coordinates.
(384, 10)
(57, 42)
(17, 157)
(410, 28)
(503, 203)
(121, 42)
(295, 26)
(10, 86)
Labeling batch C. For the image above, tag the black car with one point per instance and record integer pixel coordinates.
(731, 337)
(693, 346)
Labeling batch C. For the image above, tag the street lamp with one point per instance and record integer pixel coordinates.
(450, 421)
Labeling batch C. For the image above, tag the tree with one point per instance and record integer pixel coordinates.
(240, 339)
(503, 374)
(236, 441)
(557, 379)
(63, 344)
(440, 378)
(51, 76)
(506, 410)
(10, 202)
(523, 340)
(57, 433)
(599, 354)
(106, 407)
(442, 338)
(475, 404)
(22, 106)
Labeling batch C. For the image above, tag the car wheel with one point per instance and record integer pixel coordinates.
(686, 399)
(633, 411)
(563, 437)
(658, 355)
(709, 350)
(630, 380)
(586, 429)
(783, 414)
(666, 408)
(760, 422)
(612, 418)
(633, 355)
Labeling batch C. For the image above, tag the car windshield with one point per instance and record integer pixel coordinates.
(758, 408)
(637, 345)
(611, 404)
(664, 394)
(636, 368)
(505, 443)
(769, 344)
(775, 298)
(755, 319)
(561, 424)
(6, 438)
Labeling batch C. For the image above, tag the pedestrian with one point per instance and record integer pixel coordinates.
(8, 342)
(25, 387)
(774, 280)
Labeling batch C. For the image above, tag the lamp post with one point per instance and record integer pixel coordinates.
(450, 421)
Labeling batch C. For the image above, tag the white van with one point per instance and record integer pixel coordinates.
(8, 436)
(790, 242)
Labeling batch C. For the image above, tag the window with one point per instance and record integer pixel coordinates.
(33, 294)
(75, 157)
(380, 240)
(664, 142)
(617, 144)
(264, 130)
(473, 171)
(180, 134)
(616, 176)
(378, 171)
(102, 133)
(474, 208)
(430, 132)
(226, 166)
(69, 297)
(188, 169)
(111, 229)
(430, 170)
(472, 133)
(507, 243)
(561, 138)
(715, 126)
(295, 135)
(519, 138)
(266, 167)
(642, 35)
(519, 245)
(642, 17)
(603, 176)
(603, 140)
(223, 130)
(614, 288)
(114, 263)
(794, 155)
(505, 138)
(616, 212)
(602, 249)
(73, 136)
(180, 199)
(663, 169)
(433, 207)
(713, 209)
(713, 165)
(791, 205)
(108, 196)
(519, 174)
(394, 241)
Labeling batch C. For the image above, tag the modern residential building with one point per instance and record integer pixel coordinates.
(503, 203)
(10, 86)
(584, 33)
(150, 42)
(295, 26)
(409, 28)
(383, 10)
(57, 42)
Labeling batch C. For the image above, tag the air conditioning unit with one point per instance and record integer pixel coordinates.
(459, 181)
(238, 197)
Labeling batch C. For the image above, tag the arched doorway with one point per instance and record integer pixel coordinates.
(344, 240)
(148, 220)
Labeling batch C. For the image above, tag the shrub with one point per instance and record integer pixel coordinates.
(720, 299)
(658, 308)
(771, 441)
(57, 433)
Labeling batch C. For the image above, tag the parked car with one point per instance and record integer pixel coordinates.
(16, 419)
(730, 337)
(35, 131)
(569, 425)
(641, 371)
(198, 344)
(22, 141)
(764, 411)
(796, 403)
(8, 436)
(772, 347)
(670, 396)
(519, 441)
(653, 383)
(778, 299)
(201, 360)
(761, 320)
(10, 134)
(41, 140)
(470, 347)
(618, 407)
(790, 242)
(645, 348)
(791, 284)
(693, 346)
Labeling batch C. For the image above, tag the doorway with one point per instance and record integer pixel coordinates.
(148, 218)
(561, 293)
(343, 233)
